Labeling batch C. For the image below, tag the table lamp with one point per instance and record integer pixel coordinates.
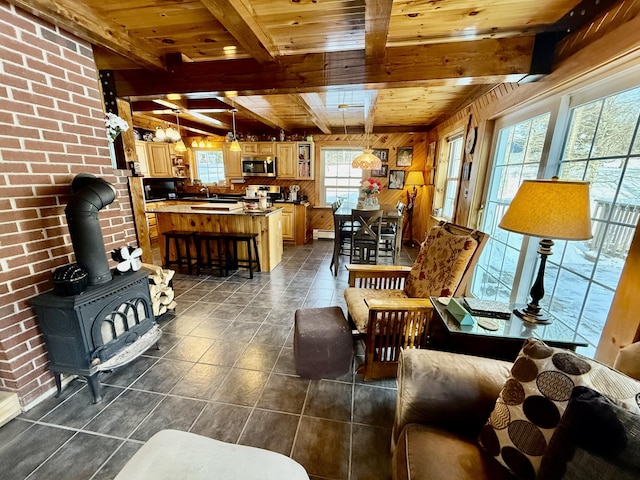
(549, 209)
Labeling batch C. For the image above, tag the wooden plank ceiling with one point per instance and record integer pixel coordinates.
(311, 65)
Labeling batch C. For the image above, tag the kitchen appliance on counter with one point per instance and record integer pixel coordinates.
(259, 166)
(266, 194)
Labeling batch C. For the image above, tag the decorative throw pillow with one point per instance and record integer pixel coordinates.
(596, 439)
(533, 401)
(440, 264)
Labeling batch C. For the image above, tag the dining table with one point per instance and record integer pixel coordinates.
(390, 216)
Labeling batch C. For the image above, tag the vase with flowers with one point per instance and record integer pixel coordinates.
(370, 188)
(115, 126)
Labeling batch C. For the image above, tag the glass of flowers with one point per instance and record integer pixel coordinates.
(371, 188)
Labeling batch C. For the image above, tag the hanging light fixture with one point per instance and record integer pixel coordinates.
(180, 146)
(235, 146)
(366, 160)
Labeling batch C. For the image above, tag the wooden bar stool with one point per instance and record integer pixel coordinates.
(231, 240)
(208, 258)
(182, 240)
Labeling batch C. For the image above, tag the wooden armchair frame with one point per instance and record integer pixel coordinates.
(398, 323)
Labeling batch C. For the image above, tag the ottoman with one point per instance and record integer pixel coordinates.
(322, 343)
(172, 454)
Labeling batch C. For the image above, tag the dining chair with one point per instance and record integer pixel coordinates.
(365, 240)
(342, 231)
(389, 234)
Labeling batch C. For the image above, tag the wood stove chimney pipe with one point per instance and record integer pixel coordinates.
(90, 194)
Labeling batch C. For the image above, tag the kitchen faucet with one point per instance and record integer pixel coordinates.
(206, 190)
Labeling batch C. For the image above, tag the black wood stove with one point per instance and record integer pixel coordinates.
(106, 326)
(111, 322)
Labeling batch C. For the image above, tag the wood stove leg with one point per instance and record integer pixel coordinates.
(58, 377)
(94, 384)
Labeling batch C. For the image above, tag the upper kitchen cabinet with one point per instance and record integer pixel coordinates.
(305, 160)
(295, 160)
(159, 158)
(232, 163)
(285, 154)
(141, 153)
(258, 148)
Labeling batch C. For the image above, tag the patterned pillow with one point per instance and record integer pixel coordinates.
(440, 264)
(594, 436)
(534, 398)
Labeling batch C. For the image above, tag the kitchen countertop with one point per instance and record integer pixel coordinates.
(184, 209)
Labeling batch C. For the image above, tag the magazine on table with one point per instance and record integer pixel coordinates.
(487, 308)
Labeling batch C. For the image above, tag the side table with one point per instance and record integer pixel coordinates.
(504, 343)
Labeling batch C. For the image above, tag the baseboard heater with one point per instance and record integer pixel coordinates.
(318, 233)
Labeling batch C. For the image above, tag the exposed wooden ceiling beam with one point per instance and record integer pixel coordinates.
(79, 19)
(463, 63)
(370, 101)
(270, 121)
(377, 14)
(238, 17)
(314, 106)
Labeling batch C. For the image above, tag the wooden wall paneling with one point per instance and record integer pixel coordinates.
(623, 321)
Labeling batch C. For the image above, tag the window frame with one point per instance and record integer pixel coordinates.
(196, 166)
(322, 187)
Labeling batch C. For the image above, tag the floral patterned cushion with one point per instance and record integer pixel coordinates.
(440, 264)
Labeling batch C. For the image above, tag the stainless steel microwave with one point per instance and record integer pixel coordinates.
(262, 166)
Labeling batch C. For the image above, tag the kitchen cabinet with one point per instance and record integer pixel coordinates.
(295, 160)
(304, 167)
(258, 148)
(159, 158)
(232, 164)
(296, 223)
(288, 220)
(141, 153)
(286, 166)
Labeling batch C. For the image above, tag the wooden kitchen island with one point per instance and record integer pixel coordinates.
(267, 224)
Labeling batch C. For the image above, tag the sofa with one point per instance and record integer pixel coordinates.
(449, 405)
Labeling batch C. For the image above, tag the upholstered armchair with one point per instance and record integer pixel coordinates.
(389, 305)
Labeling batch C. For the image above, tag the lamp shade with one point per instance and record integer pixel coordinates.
(235, 146)
(367, 161)
(552, 209)
(415, 178)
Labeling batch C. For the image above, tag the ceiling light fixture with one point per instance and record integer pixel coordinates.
(180, 146)
(366, 160)
(235, 146)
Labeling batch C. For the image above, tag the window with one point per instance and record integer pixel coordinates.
(598, 141)
(517, 157)
(339, 179)
(602, 145)
(209, 165)
(453, 177)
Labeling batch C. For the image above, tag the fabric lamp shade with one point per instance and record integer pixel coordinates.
(551, 208)
(367, 161)
(415, 178)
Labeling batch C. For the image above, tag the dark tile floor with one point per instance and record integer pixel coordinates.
(225, 369)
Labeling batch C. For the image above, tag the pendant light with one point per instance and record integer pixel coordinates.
(235, 146)
(367, 161)
(180, 146)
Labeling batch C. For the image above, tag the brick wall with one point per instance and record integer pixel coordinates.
(51, 129)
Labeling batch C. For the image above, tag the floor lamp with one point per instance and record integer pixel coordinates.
(548, 209)
(415, 178)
